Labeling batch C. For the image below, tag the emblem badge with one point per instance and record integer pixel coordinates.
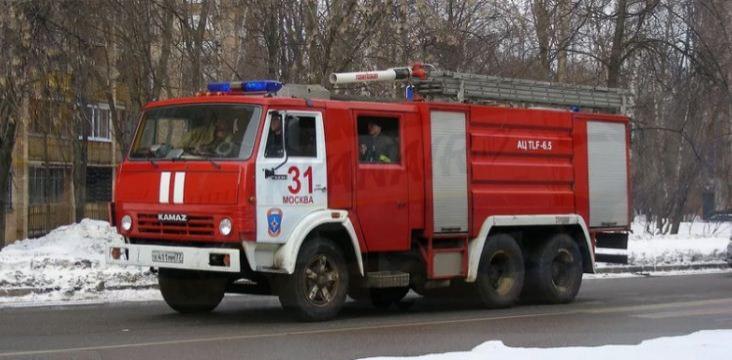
(274, 222)
(172, 218)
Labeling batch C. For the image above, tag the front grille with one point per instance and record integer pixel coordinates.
(199, 226)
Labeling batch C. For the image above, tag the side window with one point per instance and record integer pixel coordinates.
(274, 148)
(300, 134)
(378, 140)
(300, 137)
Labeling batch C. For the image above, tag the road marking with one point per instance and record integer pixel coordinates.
(727, 310)
(652, 307)
(617, 309)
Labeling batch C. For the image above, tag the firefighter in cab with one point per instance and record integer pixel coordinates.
(377, 147)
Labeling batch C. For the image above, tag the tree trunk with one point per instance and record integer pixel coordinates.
(160, 76)
(564, 18)
(7, 142)
(541, 23)
(81, 161)
(615, 62)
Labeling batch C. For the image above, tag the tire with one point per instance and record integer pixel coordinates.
(317, 289)
(190, 292)
(383, 298)
(554, 271)
(501, 272)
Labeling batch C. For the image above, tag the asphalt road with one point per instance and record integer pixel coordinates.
(607, 311)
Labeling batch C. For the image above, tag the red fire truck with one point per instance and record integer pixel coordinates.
(255, 188)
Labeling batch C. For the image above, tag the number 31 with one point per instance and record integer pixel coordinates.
(296, 184)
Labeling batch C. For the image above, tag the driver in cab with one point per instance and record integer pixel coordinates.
(215, 139)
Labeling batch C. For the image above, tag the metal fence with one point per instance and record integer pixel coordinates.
(42, 218)
(97, 211)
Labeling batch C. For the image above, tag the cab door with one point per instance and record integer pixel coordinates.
(382, 194)
(293, 182)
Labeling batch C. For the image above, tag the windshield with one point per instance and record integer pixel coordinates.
(210, 131)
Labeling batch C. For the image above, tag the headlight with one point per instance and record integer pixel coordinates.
(126, 223)
(225, 226)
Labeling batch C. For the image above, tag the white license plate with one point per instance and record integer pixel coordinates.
(169, 257)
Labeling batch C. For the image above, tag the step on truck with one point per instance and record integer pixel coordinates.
(488, 188)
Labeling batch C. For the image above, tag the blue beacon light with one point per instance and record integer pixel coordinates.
(219, 87)
(268, 86)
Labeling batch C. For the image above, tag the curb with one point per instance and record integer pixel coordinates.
(656, 268)
(17, 292)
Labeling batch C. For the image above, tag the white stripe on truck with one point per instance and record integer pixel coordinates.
(179, 187)
(164, 187)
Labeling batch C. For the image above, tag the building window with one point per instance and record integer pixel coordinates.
(99, 119)
(98, 184)
(49, 118)
(45, 185)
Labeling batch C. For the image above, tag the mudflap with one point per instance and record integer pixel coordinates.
(611, 247)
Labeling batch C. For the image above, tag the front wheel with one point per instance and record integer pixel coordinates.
(317, 289)
(191, 291)
(554, 271)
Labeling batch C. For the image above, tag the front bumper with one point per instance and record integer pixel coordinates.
(174, 257)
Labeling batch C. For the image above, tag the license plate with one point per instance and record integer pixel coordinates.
(170, 257)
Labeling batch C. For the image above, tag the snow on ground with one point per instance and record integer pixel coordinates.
(696, 242)
(68, 265)
(707, 344)
(651, 273)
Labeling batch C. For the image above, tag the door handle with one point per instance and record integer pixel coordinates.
(319, 188)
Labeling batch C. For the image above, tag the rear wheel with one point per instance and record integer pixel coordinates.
(191, 291)
(554, 271)
(317, 289)
(501, 271)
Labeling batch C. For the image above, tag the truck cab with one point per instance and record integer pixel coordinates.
(213, 188)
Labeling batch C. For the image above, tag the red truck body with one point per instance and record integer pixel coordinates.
(483, 168)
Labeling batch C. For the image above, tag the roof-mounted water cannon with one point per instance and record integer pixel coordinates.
(398, 73)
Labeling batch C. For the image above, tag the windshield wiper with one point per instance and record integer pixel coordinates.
(214, 163)
(182, 152)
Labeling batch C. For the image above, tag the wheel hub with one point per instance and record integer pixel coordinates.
(499, 272)
(561, 268)
(321, 281)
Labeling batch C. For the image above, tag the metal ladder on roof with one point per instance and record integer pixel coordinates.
(432, 84)
(473, 88)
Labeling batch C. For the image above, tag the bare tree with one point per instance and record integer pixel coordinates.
(21, 39)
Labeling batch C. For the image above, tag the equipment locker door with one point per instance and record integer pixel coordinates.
(382, 196)
(291, 178)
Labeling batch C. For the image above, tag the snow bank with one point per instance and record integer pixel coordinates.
(67, 264)
(707, 344)
(695, 242)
